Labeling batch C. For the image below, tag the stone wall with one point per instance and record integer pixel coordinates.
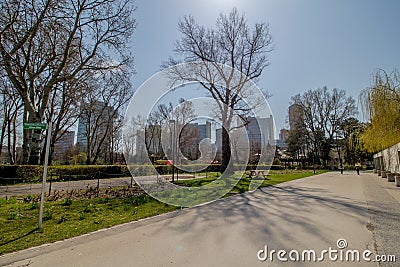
(388, 159)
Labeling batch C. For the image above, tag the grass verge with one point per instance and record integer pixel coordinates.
(275, 177)
(67, 218)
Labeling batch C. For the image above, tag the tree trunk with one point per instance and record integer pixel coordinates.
(9, 143)
(226, 163)
(88, 155)
(14, 144)
(25, 140)
(2, 135)
(35, 141)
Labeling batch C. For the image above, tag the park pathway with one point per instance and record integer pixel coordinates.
(26, 189)
(313, 213)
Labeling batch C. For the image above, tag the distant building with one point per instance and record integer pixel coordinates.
(63, 145)
(283, 136)
(140, 147)
(254, 126)
(191, 136)
(258, 140)
(203, 130)
(218, 139)
(81, 138)
(296, 116)
(100, 117)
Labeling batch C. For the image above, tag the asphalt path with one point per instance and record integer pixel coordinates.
(331, 212)
(26, 189)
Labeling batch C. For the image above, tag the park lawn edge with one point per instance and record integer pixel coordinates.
(163, 209)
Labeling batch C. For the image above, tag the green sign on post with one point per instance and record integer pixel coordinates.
(35, 126)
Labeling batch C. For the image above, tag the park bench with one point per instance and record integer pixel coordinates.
(258, 173)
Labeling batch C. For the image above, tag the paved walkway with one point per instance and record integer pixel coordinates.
(306, 214)
(25, 189)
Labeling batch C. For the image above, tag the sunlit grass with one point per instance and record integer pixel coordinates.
(71, 217)
(275, 177)
(61, 220)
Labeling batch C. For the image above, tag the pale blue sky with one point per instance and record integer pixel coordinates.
(335, 43)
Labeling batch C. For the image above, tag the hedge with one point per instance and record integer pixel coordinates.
(34, 173)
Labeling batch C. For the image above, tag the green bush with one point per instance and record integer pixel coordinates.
(277, 161)
(34, 173)
(27, 173)
(30, 173)
(8, 171)
(88, 169)
(67, 202)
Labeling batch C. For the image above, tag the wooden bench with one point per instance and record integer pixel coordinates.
(258, 173)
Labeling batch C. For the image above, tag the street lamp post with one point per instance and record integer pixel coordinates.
(173, 149)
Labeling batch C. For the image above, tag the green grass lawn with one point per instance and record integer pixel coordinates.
(275, 177)
(73, 217)
(67, 218)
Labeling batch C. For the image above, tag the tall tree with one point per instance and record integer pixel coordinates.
(64, 109)
(353, 147)
(157, 132)
(11, 110)
(105, 98)
(178, 117)
(381, 104)
(230, 42)
(324, 111)
(296, 141)
(44, 43)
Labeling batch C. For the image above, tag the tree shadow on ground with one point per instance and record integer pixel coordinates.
(19, 237)
(268, 211)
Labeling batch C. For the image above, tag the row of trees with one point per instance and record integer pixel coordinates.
(157, 130)
(57, 58)
(322, 121)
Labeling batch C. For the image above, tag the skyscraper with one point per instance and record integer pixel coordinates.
(97, 120)
(63, 145)
(296, 116)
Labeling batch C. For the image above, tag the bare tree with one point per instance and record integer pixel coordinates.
(101, 106)
(45, 43)
(153, 133)
(133, 130)
(10, 112)
(164, 114)
(189, 142)
(231, 43)
(63, 109)
(114, 141)
(324, 111)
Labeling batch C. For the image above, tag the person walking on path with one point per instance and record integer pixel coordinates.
(341, 168)
(358, 167)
